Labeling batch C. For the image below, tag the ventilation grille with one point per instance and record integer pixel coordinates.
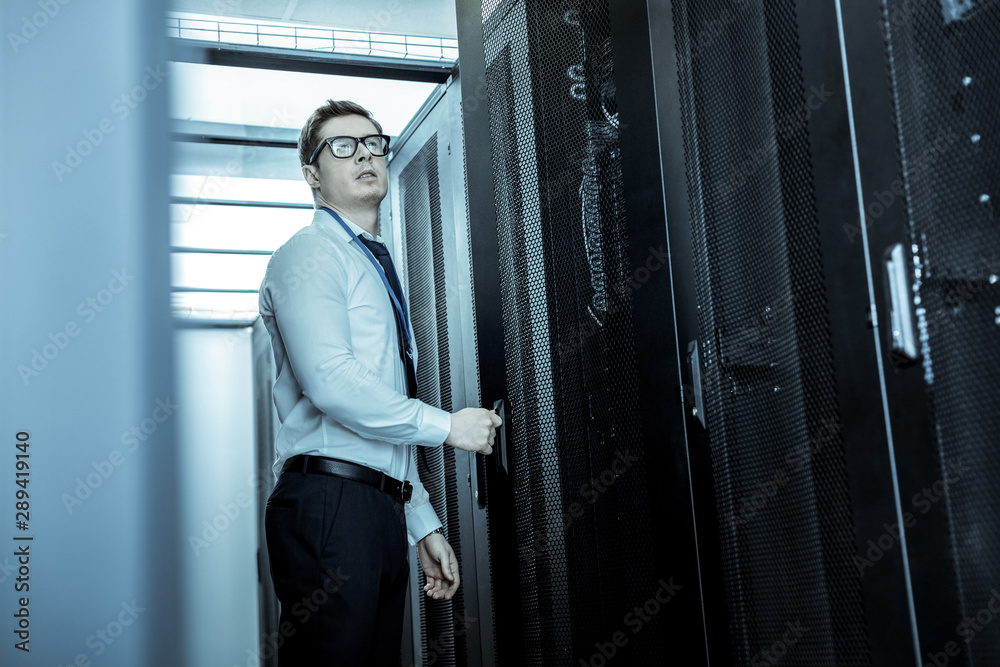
(421, 209)
(945, 72)
(581, 510)
(778, 465)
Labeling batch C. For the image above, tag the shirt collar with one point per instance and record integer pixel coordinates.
(325, 220)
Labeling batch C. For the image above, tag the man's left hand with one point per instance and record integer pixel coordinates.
(440, 566)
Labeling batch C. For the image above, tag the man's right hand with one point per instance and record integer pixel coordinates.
(473, 430)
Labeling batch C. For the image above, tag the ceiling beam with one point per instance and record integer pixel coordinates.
(314, 62)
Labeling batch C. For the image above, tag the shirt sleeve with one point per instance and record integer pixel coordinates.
(421, 518)
(309, 288)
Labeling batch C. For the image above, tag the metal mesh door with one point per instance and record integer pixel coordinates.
(581, 511)
(420, 196)
(944, 67)
(770, 402)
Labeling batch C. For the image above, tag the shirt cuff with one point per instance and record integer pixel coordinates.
(435, 427)
(420, 521)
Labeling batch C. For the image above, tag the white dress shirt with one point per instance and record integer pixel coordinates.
(341, 384)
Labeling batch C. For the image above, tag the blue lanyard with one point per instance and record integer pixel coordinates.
(401, 309)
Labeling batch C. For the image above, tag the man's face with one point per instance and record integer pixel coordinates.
(350, 183)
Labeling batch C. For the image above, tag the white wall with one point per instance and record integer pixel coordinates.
(217, 501)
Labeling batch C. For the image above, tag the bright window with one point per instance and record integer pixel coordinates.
(236, 187)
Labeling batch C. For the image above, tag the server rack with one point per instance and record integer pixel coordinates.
(591, 517)
(817, 357)
(771, 306)
(426, 217)
(929, 168)
(855, 133)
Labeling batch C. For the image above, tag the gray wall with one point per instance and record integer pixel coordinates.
(86, 333)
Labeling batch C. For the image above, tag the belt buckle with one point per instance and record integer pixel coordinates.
(406, 491)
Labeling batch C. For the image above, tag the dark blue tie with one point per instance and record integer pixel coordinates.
(382, 255)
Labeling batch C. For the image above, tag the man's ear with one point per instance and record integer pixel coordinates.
(309, 173)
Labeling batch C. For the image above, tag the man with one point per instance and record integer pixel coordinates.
(348, 490)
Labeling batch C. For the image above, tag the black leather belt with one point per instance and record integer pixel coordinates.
(321, 465)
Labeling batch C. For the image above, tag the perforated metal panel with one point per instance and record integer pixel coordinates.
(944, 68)
(770, 403)
(420, 195)
(582, 520)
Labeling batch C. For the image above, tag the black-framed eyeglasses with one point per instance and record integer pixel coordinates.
(346, 147)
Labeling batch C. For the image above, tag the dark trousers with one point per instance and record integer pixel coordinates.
(339, 561)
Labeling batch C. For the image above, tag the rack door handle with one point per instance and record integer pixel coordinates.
(903, 335)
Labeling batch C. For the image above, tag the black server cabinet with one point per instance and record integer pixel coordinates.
(801, 526)
(784, 406)
(591, 538)
(826, 175)
(927, 135)
(830, 182)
